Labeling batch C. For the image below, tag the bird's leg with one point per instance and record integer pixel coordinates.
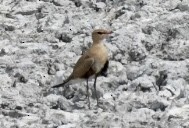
(95, 90)
(88, 93)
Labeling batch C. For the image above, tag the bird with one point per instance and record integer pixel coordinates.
(93, 63)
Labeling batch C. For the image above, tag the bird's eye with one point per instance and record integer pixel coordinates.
(100, 33)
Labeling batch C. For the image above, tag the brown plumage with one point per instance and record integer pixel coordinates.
(93, 62)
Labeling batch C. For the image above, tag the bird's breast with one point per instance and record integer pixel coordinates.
(100, 54)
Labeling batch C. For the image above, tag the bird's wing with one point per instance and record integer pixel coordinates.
(81, 59)
(82, 66)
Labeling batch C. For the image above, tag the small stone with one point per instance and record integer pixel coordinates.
(171, 34)
(66, 38)
(137, 104)
(45, 0)
(67, 20)
(3, 52)
(63, 37)
(14, 84)
(61, 2)
(101, 1)
(77, 3)
(27, 10)
(118, 57)
(13, 114)
(137, 54)
(57, 2)
(99, 6)
(45, 121)
(30, 104)
(9, 28)
(143, 82)
(161, 79)
(14, 126)
(8, 15)
(134, 72)
(40, 51)
(4, 105)
(147, 30)
(51, 70)
(23, 79)
(147, 44)
(135, 16)
(55, 47)
(9, 69)
(157, 105)
(18, 107)
(39, 29)
(64, 104)
(119, 13)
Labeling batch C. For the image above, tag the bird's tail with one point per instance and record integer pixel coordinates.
(62, 84)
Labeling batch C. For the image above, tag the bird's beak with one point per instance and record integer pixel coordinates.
(109, 32)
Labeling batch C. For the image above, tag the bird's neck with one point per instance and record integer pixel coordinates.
(97, 42)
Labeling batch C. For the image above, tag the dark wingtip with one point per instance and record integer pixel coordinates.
(56, 86)
(62, 84)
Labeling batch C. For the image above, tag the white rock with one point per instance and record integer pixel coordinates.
(5, 81)
(62, 3)
(145, 81)
(69, 125)
(58, 116)
(179, 112)
(52, 98)
(116, 67)
(59, 77)
(107, 96)
(101, 5)
(31, 119)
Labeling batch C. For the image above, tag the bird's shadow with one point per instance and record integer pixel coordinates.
(77, 97)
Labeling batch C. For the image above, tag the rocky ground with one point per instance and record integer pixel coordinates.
(148, 78)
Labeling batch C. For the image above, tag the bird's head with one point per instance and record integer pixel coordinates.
(99, 34)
